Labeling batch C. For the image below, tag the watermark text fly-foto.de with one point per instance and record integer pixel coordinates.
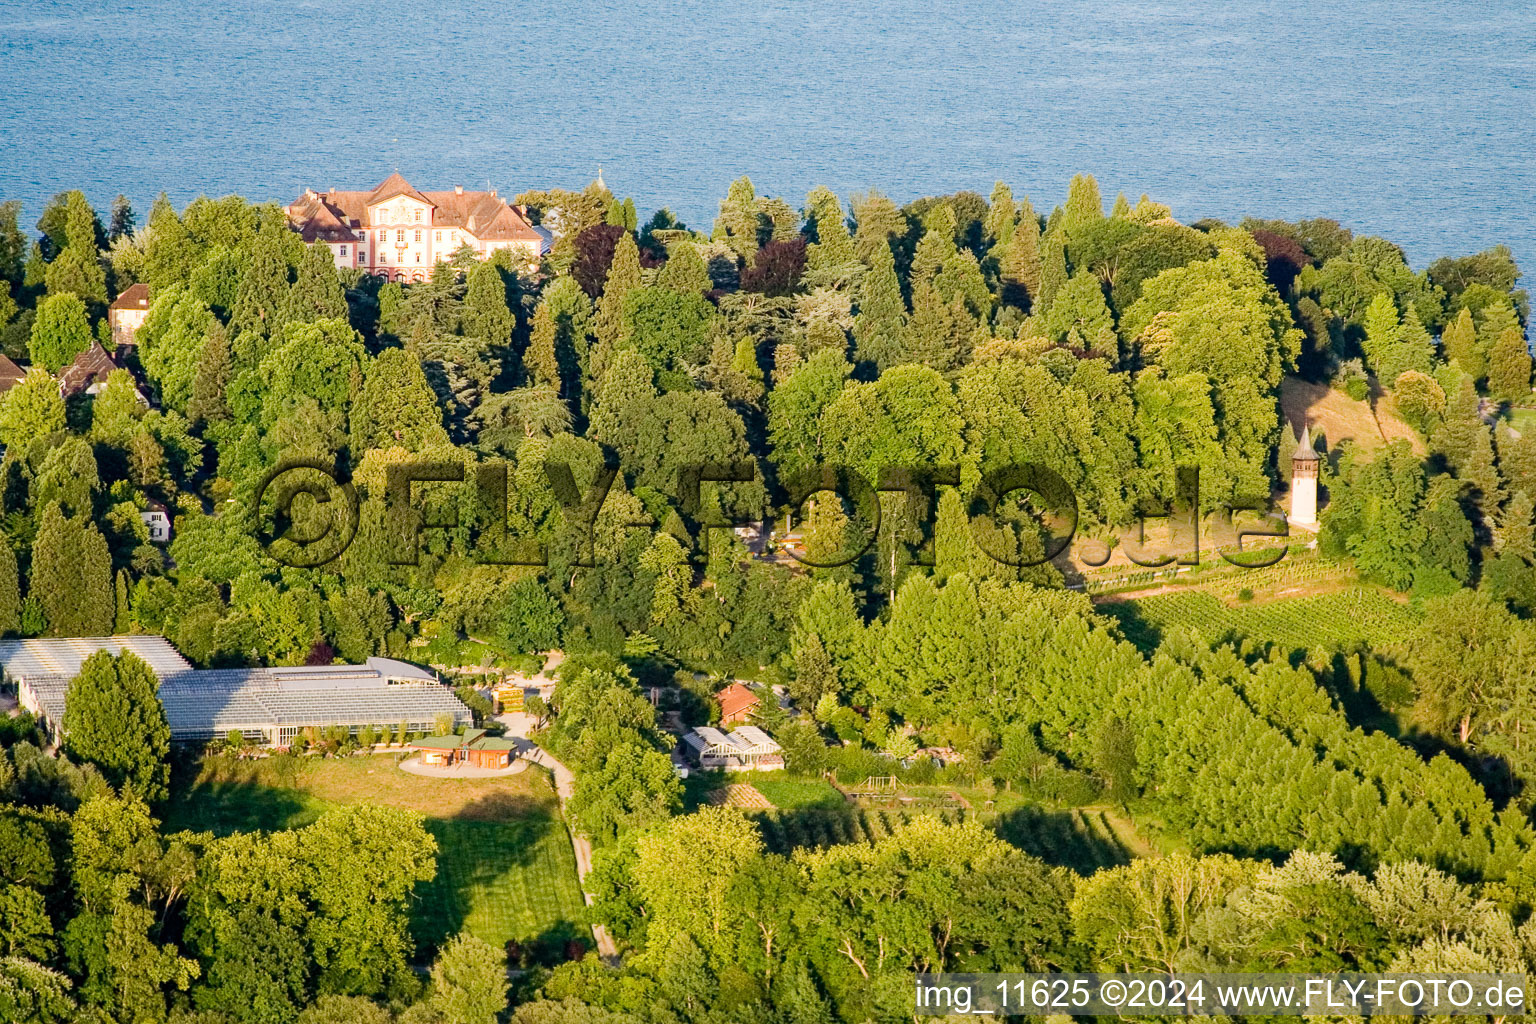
(307, 515)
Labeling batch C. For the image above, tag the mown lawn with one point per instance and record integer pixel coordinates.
(505, 869)
(1523, 420)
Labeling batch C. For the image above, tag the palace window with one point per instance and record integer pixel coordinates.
(418, 236)
(439, 236)
(418, 216)
(343, 251)
(399, 236)
(418, 257)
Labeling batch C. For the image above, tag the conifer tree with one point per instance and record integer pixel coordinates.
(1415, 350)
(744, 363)
(122, 623)
(1002, 215)
(397, 406)
(1492, 321)
(123, 218)
(822, 333)
(628, 377)
(608, 321)
(1514, 534)
(1447, 535)
(1122, 207)
(541, 360)
(77, 269)
(786, 359)
(938, 332)
(739, 219)
(878, 221)
(169, 250)
(391, 305)
(1018, 263)
(34, 275)
(1079, 311)
(316, 293)
(684, 271)
(486, 315)
(1381, 332)
(1084, 206)
(834, 245)
(1455, 438)
(207, 404)
(262, 299)
(1053, 273)
(10, 591)
(878, 327)
(936, 246)
(1509, 366)
(1459, 343)
(72, 575)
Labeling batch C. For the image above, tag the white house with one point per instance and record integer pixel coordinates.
(157, 519)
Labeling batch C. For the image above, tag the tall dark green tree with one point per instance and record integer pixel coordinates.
(1018, 260)
(684, 271)
(72, 575)
(13, 242)
(123, 219)
(262, 302)
(10, 591)
(397, 406)
(882, 315)
(214, 368)
(1509, 365)
(1053, 272)
(170, 252)
(316, 293)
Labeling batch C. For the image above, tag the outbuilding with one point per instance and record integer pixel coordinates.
(475, 748)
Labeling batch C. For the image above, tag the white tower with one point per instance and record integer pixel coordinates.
(1304, 464)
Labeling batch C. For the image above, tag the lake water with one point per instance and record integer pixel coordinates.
(1413, 120)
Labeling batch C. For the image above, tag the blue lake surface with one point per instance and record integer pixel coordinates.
(1412, 120)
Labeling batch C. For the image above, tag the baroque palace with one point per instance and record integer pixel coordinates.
(399, 233)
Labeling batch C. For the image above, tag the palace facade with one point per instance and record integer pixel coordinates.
(399, 233)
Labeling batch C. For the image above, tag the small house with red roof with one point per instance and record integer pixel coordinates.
(737, 703)
(126, 314)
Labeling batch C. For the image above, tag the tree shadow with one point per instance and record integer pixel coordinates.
(1134, 626)
(561, 942)
(499, 805)
(1080, 840)
(474, 856)
(228, 797)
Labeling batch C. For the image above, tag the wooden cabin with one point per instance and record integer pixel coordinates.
(475, 748)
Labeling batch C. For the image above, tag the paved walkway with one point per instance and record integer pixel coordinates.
(518, 725)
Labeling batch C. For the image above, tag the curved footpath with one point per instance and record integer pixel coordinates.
(517, 727)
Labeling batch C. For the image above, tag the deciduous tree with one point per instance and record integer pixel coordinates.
(113, 719)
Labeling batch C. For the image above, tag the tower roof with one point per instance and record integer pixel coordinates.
(1304, 450)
